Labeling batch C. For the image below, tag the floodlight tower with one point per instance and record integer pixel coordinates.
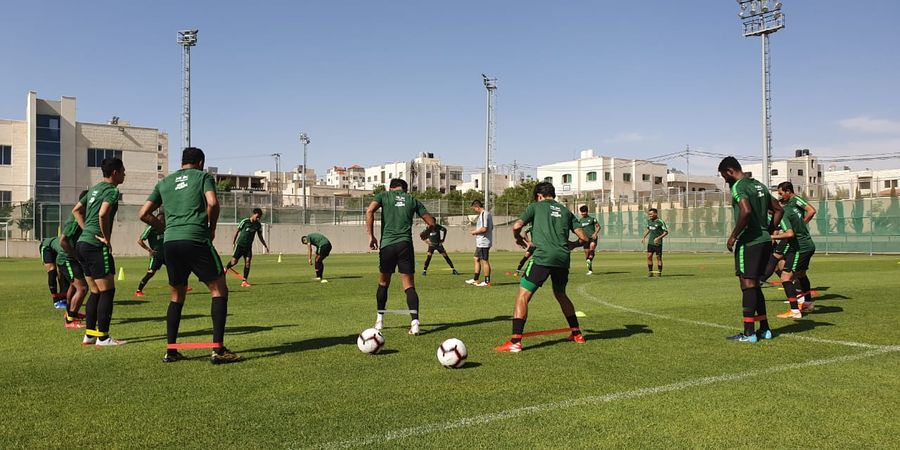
(761, 20)
(304, 139)
(186, 39)
(491, 146)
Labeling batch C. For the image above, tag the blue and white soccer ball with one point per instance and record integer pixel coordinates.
(370, 341)
(452, 353)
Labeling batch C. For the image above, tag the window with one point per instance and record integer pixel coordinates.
(5, 155)
(159, 148)
(97, 155)
(592, 176)
(443, 176)
(657, 180)
(775, 172)
(890, 184)
(626, 177)
(865, 185)
(800, 172)
(546, 179)
(158, 167)
(5, 199)
(606, 176)
(567, 178)
(645, 177)
(749, 174)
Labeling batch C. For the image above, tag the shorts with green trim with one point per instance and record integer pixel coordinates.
(71, 270)
(96, 261)
(157, 261)
(186, 257)
(750, 260)
(652, 248)
(536, 275)
(243, 251)
(797, 261)
(782, 247)
(324, 250)
(48, 255)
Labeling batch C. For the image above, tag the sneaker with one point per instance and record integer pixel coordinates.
(482, 284)
(740, 337)
(649, 274)
(75, 324)
(379, 325)
(471, 281)
(60, 304)
(455, 272)
(807, 307)
(89, 340)
(791, 314)
(509, 347)
(173, 357)
(590, 272)
(516, 274)
(109, 342)
(245, 284)
(413, 328)
(323, 281)
(138, 294)
(227, 356)
(424, 273)
(577, 338)
(765, 334)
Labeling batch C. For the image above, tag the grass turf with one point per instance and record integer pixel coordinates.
(641, 379)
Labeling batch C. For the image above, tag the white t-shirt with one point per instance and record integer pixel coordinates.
(485, 220)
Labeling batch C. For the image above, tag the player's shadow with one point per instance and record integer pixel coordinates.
(609, 273)
(229, 331)
(833, 297)
(307, 344)
(821, 288)
(822, 309)
(590, 335)
(510, 283)
(673, 275)
(469, 365)
(160, 318)
(801, 326)
(438, 327)
(130, 302)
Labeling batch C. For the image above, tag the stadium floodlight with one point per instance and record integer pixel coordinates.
(761, 20)
(491, 146)
(304, 139)
(186, 39)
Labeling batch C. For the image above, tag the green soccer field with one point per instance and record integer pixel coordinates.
(656, 370)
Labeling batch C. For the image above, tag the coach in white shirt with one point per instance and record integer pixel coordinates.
(484, 234)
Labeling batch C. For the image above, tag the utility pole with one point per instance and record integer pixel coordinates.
(186, 39)
(490, 147)
(687, 183)
(304, 139)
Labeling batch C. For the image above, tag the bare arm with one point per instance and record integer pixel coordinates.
(370, 224)
(786, 234)
(146, 216)
(105, 225)
(660, 237)
(309, 257)
(777, 214)
(78, 212)
(259, 233)
(646, 232)
(517, 233)
(582, 238)
(212, 212)
(810, 212)
(144, 246)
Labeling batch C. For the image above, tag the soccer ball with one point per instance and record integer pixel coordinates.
(370, 341)
(452, 353)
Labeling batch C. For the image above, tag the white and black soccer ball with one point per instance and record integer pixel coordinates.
(370, 341)
(452, 353)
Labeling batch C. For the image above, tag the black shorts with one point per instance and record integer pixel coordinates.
(48, 255)
(587, 245)
(483, 253)
(750, 261)
(186, 257)
(71, 271)
(157, 261)
(323, 251)
(397, 257)
(97, 262)
(795, 261)
(436, 248)
(655, 249)
(243, 251)
(781, 247)
(536, 275)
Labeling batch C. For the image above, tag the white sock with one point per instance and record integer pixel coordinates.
(380, 317)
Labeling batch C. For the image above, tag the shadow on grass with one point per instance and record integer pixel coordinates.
(609, 273)
(833, 297)
(307, 344)
(438, 327)
(130, 302)
(674, 275)
(469, 365)
(511, 283)
(801, 326)
(822, 309)
(229, 332)
(160, 318)
(822, 288)
(590, 335)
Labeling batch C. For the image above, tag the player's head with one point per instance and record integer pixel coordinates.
(786, 190)
(477, 205)
(730, 169)
(257, 214)
(583, 210)
(193, 158)
(304, 240)
(114, 169)
(652, 213)
(82, 194)
(398, 184)
(544, 190)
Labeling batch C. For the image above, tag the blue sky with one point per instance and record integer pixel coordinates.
(378, 81)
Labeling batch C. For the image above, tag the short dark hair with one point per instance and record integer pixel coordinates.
(82, 194)
(304, 239)
(786, 186)
(544, 188)
(477, 203)
(583, 208)
(399, 183)
(192, 155)
(110, 165)
(257, 211)
(653, 210)
(729, 162)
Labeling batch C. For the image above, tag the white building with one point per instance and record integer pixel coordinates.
(423, 173)
(605, 177)
(353, 177)
(677, 182)
(499, 183)
(867, 183)
(803, 170)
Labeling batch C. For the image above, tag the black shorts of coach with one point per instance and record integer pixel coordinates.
(795, 261)
(483, 253)
(651, 248)
(750, 260)
(397, 257)
(243, 251)
(186, 257)
(71, 271)
(436, 248)
(48, 255)
(96, 261)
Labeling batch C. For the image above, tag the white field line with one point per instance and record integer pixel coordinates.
(380, 438)
(720, 326)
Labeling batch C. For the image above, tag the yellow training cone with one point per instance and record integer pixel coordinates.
(580, 314)
(279, 257)
(121, 274)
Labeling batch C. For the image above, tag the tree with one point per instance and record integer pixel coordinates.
(6, 211)
(26, 222)
(224, 185)
(428, 194)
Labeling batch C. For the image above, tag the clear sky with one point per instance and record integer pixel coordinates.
(378, 81)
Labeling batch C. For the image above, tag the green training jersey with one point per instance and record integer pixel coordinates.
(803, 240)
(182, 195)
(247, 230)
(45, 243)
(791, 243)
(588, 224)
(798, 203)
(398, 209)
(154, 239)
(61, 256)
(757, 229)
(551, 224)
(71, 230)
(318, 239)
(657, 228)
(101, 193)
(434, 236)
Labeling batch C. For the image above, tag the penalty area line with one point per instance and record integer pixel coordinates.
(595, 400)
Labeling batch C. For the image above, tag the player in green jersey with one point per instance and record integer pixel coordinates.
(551, 224)
(323, 249)
(54, 282)
(191, 206)
(94, 249)
(246, 231)
(777, 260)
(70, 268)
(751, 242)
(529, 251)
(592, 229)
(802, 248)
(398, 209)
(435, 240)
(152, 242)
(656, 230)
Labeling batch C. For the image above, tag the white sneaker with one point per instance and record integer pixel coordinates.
(590, 272)
(379, 325)
(88, 340)
(471, 281)
(110, 342)
(323, 281)
(481, 284)
(413, 328)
